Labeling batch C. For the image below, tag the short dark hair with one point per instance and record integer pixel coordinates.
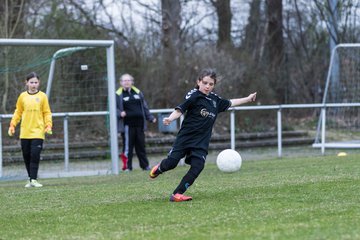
(208, 72)
(32, 75)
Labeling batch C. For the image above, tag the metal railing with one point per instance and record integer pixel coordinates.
(322, 106)
(232, 111)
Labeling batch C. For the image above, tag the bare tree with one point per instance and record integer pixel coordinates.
(224, 15)
(171, 43)
(11, 15)
(274, 51)
(253, 41)
(275, 40)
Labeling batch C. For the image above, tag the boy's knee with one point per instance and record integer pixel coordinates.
(168, 164)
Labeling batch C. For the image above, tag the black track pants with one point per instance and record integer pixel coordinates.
(135, 137)
(31, 149)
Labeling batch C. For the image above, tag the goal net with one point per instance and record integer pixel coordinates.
(77, 77)
(342, 100)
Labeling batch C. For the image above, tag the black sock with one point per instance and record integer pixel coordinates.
(185, 183)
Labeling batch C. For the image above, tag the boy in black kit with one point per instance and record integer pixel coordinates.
(201, 106)
(132, 113)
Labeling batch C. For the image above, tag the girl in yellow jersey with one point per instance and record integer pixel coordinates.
(33, 110)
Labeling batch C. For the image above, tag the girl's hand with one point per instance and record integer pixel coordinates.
(123, 114)
(48, 130)
(11, 130)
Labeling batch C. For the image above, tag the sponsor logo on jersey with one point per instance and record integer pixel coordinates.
(205, 113)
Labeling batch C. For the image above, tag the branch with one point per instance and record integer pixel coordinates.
(17, 19)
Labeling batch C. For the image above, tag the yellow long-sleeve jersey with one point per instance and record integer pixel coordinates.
(33, 110)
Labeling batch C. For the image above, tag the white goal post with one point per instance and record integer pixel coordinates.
(342, 88)
(107, 45)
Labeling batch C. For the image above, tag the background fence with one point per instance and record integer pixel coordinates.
(96, 154)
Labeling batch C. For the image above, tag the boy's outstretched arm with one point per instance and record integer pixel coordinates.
(173, 116)
(239, 101)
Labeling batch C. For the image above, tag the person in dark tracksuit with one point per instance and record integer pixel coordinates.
(132, 113)
(201, 107)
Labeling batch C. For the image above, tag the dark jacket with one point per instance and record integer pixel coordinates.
(120, 107)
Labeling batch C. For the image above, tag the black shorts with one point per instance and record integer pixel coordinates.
(189, 154)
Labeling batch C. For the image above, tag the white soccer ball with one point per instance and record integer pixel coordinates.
(229, 161)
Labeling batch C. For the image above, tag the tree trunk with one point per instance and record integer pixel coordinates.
(253, 32)
(224, 14)
(171, 21)
(274, 49)
(275, 40)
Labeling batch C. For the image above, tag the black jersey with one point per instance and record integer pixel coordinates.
(132, 107)
(200, 114)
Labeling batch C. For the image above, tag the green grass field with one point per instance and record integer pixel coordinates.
(290, 198)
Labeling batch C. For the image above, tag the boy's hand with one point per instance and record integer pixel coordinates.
(48, 130)
(11, 130)
(166, 121)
